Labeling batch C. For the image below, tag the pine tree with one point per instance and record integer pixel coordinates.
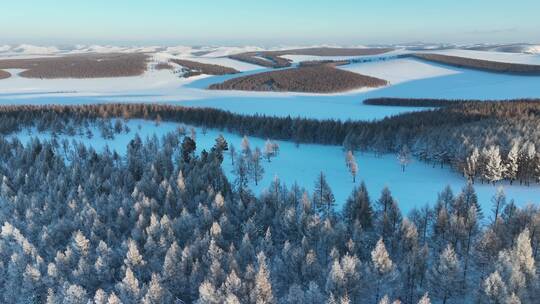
(323, 197)
(358, 208)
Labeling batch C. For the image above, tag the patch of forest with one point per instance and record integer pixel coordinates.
(485, 141)
(479, 64)
(308, 78)
(274, 59)
(163, 224)
(196, 68)
(80, 66)
(4, 74)
(414, 102)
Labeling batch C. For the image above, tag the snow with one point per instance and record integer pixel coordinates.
(399, 70)
(417, 186)
(35, 50)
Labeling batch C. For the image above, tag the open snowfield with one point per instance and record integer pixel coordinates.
(302, 164)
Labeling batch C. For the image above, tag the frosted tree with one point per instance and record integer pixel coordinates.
(74, 294)
(383, 268)
(134, 259)
(156, 294)
(271, 149)
(404, 157)
(495, 288)
(425, 299)
(335, 282)
(323, 198)
(517, 266)
(208, 294)
(180, 181)
(498, 202)
(129, 289)
(512, 163)
(445, 276)
(494, 169)
(263, 287)
(246, 148)
(257, 170)
(350, 161)
(471, 165)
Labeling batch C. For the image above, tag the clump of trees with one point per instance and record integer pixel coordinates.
(512, 127)
(274, 59)
(4, 74)
(311, 78)
(193, 68)
(479, 64)
(162, 224)
(80, 66)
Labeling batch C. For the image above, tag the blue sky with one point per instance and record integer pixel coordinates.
(235, 22)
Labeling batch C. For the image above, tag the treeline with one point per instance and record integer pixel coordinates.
(4, 74)
(479, 64)
(308, 78)
(196, 68)
(80, 66)
(416, 102)
(264, 59)
(274, 59)
(458, 135)
(162, 224)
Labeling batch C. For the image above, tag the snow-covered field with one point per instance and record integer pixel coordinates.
(417, 186)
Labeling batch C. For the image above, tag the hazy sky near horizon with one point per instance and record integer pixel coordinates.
(234, 22)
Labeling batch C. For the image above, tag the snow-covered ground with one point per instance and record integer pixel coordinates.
(417, 186)
(399, 70)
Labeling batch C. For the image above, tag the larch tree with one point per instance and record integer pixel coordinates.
(263, 286)
(498, 204)
(512, 163)
(445, 276)
(350, 161)
(257, 170)
(271, 149)
(471, 165)
(404, 157)
(494, 169)
(383, 269)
